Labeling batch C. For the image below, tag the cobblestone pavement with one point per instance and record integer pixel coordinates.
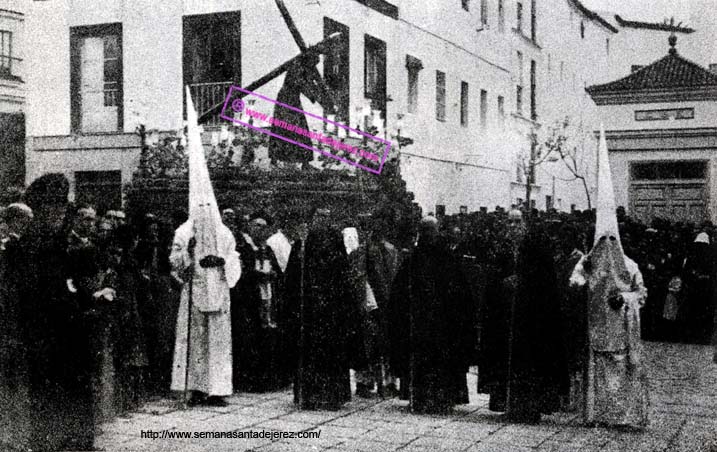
(683, 418)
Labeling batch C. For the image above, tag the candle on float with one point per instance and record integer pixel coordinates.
(153, 137)
(330, 126)
(377, 120)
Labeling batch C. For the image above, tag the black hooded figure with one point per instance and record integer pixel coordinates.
(530, 373)
(324, 325)
(57, 325)
(290, 94)
(696, 274)
(430, 326)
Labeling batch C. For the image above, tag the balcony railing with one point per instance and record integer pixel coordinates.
(207, 95)
(10, 67)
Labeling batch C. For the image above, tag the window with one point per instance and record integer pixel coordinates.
(519, 66)
(519, 99)
(111, 70)
(548, 202)
(336, 68)
(549, 65)
(99, 189)
(519, 17)
(533, 22)
(668, 170)
(582, 29)
(519, 87)
(483, 109)
(375, 73)
(464, 104)
(211, 58)
(533, 104)
(501, 109)
(607, 46)
(440, 96)
(96, 78)
(484, 12)
(5, 53)
(501, 16)
(212, 48)
(465, 4)
(665, 114)
(413, 65)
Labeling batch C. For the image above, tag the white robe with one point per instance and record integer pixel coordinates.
(210, 364)
(616, 391)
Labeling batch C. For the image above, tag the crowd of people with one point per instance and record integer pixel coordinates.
(678, 261)
(92, 309)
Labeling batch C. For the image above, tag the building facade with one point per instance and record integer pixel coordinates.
(12, 92)
(662, 139)
(467, 80)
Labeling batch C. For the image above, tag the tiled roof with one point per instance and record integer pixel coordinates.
(671, 71)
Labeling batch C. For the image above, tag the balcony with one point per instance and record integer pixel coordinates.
(207, 95)
(11, 68)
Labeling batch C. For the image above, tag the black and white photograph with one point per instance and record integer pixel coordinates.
(358, 225)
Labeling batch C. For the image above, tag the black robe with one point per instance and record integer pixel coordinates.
(699, 313)
(526, 372)
(158, 295)
(260, 361)
(128, 342)
(57, 327)
(325, 336)
(431, 324)
(13, 420)
(573, 309)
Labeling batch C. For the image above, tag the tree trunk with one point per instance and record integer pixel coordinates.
(528, 190)
(587, 192)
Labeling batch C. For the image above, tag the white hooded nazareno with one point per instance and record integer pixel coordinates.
(616, 385)
(210, 338)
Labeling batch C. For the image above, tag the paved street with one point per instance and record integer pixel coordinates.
(684, 418)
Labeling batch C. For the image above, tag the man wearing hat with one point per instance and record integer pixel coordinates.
(56, 334)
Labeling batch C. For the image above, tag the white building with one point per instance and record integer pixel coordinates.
(468, 79)
(12, 91)
(662, 138)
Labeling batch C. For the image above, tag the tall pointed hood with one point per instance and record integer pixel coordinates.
(606, 219)
(203, 208)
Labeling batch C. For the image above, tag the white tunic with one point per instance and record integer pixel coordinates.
(616, 390)
(210, 364)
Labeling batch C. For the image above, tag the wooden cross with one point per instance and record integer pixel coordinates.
(315, 89)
